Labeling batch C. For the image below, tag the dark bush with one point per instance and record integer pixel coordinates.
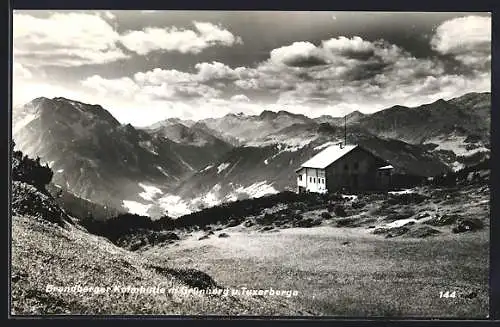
(358, 205)
(308, 222)
(223, 235)
(335, 197)
(347, 222)
(30, 171)
(468, 225)
(339, 211)
(191, 277)
(407, 198)
(326, 215)
(299, 206)
(442, 220)
(399, 215)
(267, 219)
(119, 226)
(392, 232)
(248, 223)
(233, 223)
(461, 177)
(141, 238)
(28, 200)
(423, 232)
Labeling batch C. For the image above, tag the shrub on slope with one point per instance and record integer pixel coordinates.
(28, 201)
(30, 171)
(29, 194)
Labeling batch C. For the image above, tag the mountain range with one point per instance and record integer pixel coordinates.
(177, 166)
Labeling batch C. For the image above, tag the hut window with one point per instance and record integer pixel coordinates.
(314, 180)
(300, 177)
(310, 179)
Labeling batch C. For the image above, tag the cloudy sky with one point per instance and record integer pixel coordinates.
(145, 66)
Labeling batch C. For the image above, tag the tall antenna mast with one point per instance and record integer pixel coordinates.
(345, 130)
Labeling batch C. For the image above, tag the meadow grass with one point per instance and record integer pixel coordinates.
(368, 276)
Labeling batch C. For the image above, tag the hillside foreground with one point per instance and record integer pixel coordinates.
(387, 256)
(49, 249)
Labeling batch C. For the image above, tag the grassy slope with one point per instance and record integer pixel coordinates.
(369, 275)
(43, 253)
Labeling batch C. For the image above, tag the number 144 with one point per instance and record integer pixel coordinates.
(447, 294)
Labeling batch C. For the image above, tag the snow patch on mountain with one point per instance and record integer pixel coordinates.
(456, 166)
(175, 205)
(287, 143)
(148, 146)
(137, 208)
(162, 171)
(257, 190)
(149, 192)
(207, 168)
(212, 198)
(324, 145)
(457, 145)
(222, 166)
(293, 145)
(21, 123)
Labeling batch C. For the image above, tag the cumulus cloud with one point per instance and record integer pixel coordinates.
(121, 86)
(306, 54)
(240, 98)
(64, 39)
(299, 54)
(69, 39)
(20, 72)
(156, 84)
(216, 71)
(336, 67)
(354, 46)
(345, 71)
(206, 72)
(158, 76)
(109, 15)
(333, 75)
(182, 40)
(467, 39)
